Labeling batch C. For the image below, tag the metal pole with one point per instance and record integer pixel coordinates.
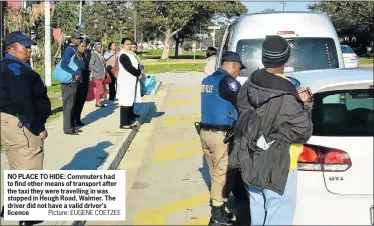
(2, 30)
(80, 15)
(47, 44)
(200, 35)
(214, 37)
(135, 20)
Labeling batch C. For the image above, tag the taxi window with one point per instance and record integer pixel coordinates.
(306, 54)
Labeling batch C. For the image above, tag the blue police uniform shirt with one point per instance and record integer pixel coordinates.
(23, 94)
(218, 100)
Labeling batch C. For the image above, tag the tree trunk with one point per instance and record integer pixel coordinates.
(168, 35)
(176, 47)
(165, 52)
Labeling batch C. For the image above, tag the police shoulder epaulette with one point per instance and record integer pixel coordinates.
(15, 68)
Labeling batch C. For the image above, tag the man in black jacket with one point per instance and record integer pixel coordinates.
(24, 106)
(274, 122)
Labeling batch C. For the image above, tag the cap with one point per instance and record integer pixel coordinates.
(230, 56)
(77, 35)
(20, 37)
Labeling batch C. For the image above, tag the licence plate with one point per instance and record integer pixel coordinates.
(372, 215)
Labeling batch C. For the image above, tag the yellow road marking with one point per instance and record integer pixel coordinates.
(182, 119)
(157, 216)
(187, 90)
(181, 102)
(169, 152)
(200, 221)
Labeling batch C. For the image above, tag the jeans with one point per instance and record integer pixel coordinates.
(270, 208)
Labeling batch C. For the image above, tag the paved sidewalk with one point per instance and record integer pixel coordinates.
(101, 145)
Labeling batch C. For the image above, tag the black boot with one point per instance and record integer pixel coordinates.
(229, 215)
(2, 212)
(220, 217)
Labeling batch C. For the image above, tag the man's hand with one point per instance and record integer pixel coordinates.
(43, 135)
(77, 77)
(140, 76)
(305, 94)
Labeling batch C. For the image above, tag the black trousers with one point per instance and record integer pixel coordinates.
(80, 99)
(127, 117)
(112, 86)
(69, 92)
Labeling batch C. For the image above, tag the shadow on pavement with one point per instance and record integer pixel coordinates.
(100, 113)
(205, 173)
(152, 111)
(89, 158)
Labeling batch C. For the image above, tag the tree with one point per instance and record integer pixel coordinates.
(19, 19)
(66, 16)
(106, 21)
(350, 18)
(176, 18)
(348, 14)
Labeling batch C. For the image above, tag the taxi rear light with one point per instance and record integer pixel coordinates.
(285, 32)
(318, 158)
(354, 58)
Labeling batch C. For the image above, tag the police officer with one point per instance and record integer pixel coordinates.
(24, 106)
(218, 113)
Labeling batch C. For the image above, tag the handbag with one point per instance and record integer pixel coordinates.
(63, 76)
(91, 91)
(115, 68)
(107, 78)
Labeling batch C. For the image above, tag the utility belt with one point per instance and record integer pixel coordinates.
(229, 134)
(214, 130)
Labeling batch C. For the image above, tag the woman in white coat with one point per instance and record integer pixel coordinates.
(128, 86)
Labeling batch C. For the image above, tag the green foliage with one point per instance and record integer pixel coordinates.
(66, 16)
(105, 22)
(182, 17)
(19, 19)
(348, 15)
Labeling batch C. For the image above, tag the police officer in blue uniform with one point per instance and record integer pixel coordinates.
(24, 106)
(218, 114)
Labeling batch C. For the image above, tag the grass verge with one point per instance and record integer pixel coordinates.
(366, 60)
(162, 68)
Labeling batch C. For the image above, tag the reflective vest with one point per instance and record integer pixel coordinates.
(215, 110)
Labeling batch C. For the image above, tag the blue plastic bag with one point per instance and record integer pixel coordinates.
(63, 76)
(147, 83)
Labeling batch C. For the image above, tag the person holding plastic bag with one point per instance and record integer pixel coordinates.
(128, 86)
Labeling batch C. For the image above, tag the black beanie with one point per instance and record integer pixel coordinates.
(275, 51)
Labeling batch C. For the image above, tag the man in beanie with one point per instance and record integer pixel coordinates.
(274, 122)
